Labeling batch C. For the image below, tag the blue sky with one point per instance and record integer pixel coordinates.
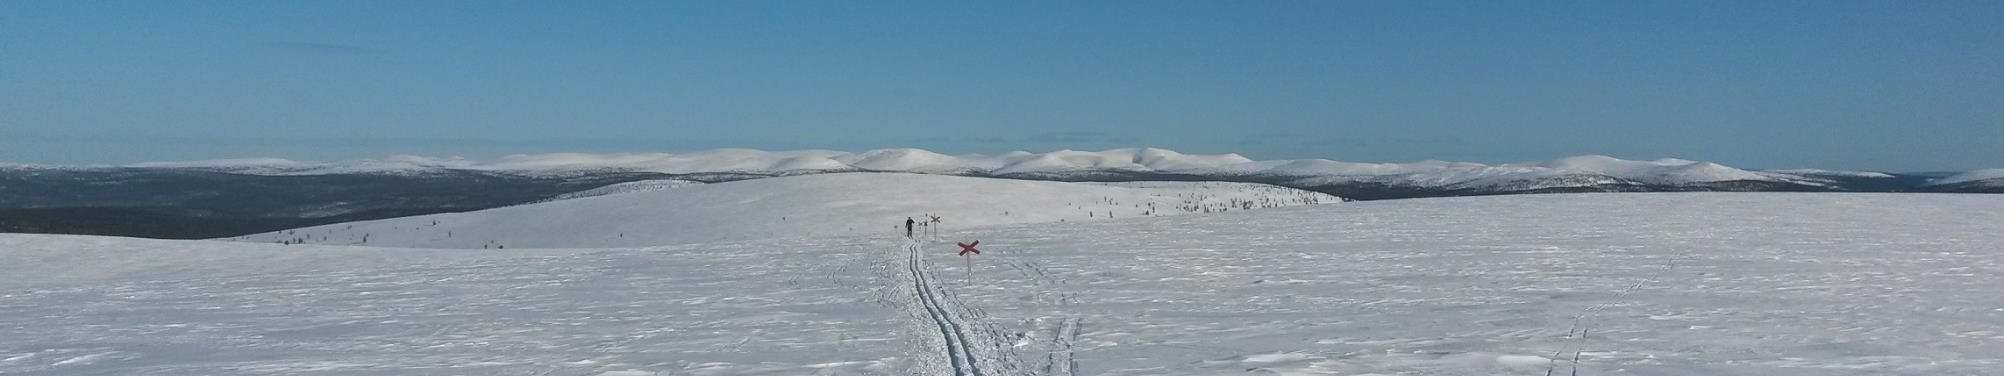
(1904, 86)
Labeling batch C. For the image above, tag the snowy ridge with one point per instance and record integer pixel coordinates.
(6, 166)
(1984, 176)
(1578, 171)
(1661, 171)
(720, 160)
(1590, 172)
(627, 187)
(914, 160)
(1571, 170)
(796, 206)
(1821, 172)
(401, 164)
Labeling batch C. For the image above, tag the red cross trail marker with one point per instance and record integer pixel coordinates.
(967, 252)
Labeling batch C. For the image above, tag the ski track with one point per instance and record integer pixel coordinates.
(1063, 341)
(1061, 359)
(958, 350)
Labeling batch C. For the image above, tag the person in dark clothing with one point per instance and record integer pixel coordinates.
(908, 226)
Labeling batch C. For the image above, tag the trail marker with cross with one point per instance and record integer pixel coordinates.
(967, 252)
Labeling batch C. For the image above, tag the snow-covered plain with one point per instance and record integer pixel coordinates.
(1595, 284)
(79, 305)
(1639, 284)
(657, 213)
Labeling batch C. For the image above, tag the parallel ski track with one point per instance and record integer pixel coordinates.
(1064, 341)
(958, 350)
(1061, 363)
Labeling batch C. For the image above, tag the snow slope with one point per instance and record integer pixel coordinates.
(1662, 171)
(623, 188)
(801, 206)
(720, 160)
(1819, 172)
(1571, 171)
(1972, 176)
(913, 160)
(1599, 284)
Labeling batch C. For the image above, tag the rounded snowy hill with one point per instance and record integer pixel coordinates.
(1365, 181)
(1987, 180)
(797, 206)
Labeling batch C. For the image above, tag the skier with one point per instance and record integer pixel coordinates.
(908, 226)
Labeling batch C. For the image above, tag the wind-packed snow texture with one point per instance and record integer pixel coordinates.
(76, 305)
(808, 205)
(1627, 284)
(1769, 284)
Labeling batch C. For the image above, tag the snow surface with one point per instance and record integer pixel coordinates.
(1770, 284)
(1978, 175)
(79, 305)
(807, 205)
(1591, 169)
(627, 187)
(1645, 284)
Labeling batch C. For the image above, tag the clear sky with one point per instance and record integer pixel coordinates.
(1905, 86)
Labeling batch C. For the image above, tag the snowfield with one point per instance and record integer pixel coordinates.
(657, 213)
(1639, 284)
(78, 305)
(1587, 284)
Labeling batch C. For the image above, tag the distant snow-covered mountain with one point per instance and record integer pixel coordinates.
(1994, 175)
(1056, 163)
(1834, 173)
(395, 165)
(229, 197)
(1589, 173)
(1979, 181)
